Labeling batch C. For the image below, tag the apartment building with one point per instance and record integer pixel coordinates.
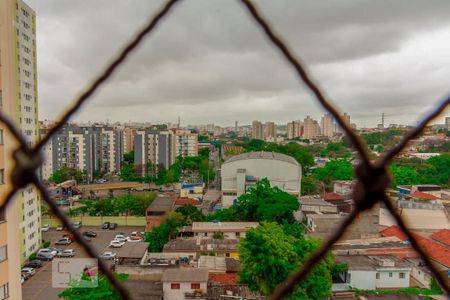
(270, 131)
(327, 125)
(91, 149)
(294, 129)
(311, 128)
(152, 148)
(257, 130)
(185, 143)
(20, 222)
(346, 118)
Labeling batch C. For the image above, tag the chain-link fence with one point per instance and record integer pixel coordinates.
(372, 177)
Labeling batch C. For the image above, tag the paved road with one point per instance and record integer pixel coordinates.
(39, 287)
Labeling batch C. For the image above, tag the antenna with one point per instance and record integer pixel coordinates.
(382, 120)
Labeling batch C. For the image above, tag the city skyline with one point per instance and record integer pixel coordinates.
(226, 66)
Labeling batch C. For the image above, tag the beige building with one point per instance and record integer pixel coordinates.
(327, 125)
(346, 119)
(294, 129)
(270, 131)
(311, 128)
(257, 130)
(185, 143)
(20, 223)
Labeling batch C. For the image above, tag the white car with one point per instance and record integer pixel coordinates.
(116, 244)
(45, 228)
(47, 251)
(66, 253)
(134, 239)
(28, 271)
(60, 228)
(120, 238)
(108, 255)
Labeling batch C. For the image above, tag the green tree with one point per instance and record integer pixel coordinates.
(128, 157)
(161, 234)
(190, 214)
(334, 170)
(268, 255)
(403, 175)
(104, 290)
(66, 173)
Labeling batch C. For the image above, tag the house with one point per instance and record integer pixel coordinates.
(187, 201)
(192, 190)
(185, 283)
(157, 212)
(372, 272)
(228, 230)
(227, 247)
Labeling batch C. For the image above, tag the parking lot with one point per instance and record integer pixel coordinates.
(40, 287)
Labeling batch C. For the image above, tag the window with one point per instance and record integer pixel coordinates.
(377, 276)
(390, 274)
(1, 136)
(3, 253)
(195, 286)
(174, 286)
(2, 176)
(4, 292)
(401, 275)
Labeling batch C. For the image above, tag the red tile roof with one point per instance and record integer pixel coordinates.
(224, 278)
(423, 196)
(442, 236)
(436, 251)
(332, 197)
(394, 231)
(187, 201)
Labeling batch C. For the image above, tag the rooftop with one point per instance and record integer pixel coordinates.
(185, 275)
(223, 226)
(161, 204)
(203, 245)
(263, 155)
(311, 200)
(366, 262)
(394, 231)
(224, 278)
(423, 196)
(132, 250)
(442, 236)
(187, 201)
(332, 197)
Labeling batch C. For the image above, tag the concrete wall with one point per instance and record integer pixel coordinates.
(393, 281)
(97, 221)
(430, 219)
(185, 287)
(363, 279)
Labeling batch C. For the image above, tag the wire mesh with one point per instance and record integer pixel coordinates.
(372, 177)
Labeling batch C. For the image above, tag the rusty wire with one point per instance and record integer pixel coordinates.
(372, 178)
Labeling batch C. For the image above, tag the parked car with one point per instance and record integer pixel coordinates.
(22, 279)
(90, 234)
(25, 276)
(112, 226)
(69, 236)
(116, 244)
(45, 228)
(29, 271)
(63, 241)
(34, 264)
(45, 256)
(108, 255)
(67, 253)
(52, 251)
(86, 238)
(134, 239)
(105, 225)
(120, 237)
(60, 228)
(76, 224)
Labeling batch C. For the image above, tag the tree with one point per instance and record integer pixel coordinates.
(66, 173)
(334, 170)
(104, 290)
(128, 157)
(268, 255)
(190, 214)
(403, 175)
(161, 234)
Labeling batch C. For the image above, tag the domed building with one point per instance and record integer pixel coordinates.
(244, 170)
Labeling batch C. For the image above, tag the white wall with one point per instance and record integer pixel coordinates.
(363, 279)
(394, 281)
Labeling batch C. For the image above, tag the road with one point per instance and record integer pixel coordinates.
(39, 287)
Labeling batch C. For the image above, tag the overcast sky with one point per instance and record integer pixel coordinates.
(209, 63)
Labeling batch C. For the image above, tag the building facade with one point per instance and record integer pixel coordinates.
(311, 128)
(270, 130)
(294, 129)
(257, 130)
(244, 170)
(152, 148)
(185, 143)
(20, 222)
(327, 125)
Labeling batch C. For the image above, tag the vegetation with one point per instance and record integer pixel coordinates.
(335, 151)
(46, 244)
(66, 173)
(334, 170)
(161, 234)
(134, 204)
(32, 256)
(434, 289)
(260, 203)
(268, 254)
(190, 214)
(104, 290)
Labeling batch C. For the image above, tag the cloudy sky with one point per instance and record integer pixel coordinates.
(209, 63)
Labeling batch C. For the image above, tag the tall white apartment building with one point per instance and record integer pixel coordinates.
(185, 143)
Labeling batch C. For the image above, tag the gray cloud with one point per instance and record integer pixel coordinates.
(208, 62)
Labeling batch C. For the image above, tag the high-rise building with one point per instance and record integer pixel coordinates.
(185, 143)
(152, 148)
(346, 119)
(20, 223)
(270, 130)
(447, 123)
(257, 130)
(327, 125)
(294, 129)
(311, 128)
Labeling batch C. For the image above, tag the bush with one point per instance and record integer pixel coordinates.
(32, 256)
(46, 244)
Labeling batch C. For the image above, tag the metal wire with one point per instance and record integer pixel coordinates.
(372, 178)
